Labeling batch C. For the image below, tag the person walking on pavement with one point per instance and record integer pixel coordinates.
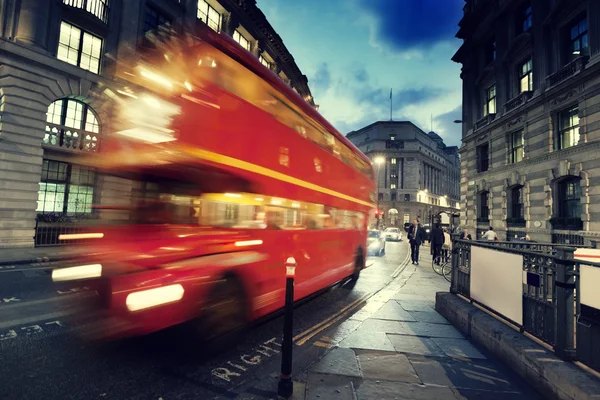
(436, 240)
(465, 235)
(447, 247)
(490, 235)
(416, 236)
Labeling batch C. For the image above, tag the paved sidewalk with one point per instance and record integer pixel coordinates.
(403, 349)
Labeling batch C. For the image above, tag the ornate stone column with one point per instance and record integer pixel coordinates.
(33, 23)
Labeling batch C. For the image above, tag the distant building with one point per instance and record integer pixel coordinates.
(531, 118)
(418, 175)
(53, 53)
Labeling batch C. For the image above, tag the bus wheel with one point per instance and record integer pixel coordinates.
(224, 314)
(358, 265)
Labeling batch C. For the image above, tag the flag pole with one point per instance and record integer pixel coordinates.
(391, 104)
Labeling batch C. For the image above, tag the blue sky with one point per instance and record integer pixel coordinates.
(354, 51)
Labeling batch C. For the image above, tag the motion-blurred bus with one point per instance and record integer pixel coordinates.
(216, 173)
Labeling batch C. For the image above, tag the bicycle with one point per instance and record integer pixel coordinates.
(438, 262)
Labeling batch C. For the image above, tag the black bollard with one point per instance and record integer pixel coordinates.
(285, 388)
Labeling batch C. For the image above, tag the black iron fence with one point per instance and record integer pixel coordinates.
(552, 306)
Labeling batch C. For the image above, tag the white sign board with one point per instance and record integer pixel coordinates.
(497, 281)
(589, 277)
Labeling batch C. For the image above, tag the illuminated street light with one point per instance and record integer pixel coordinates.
(379, 160)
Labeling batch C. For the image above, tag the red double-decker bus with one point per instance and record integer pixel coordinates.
(216, 173)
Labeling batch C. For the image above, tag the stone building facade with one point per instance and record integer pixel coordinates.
(53, 54)
(531, 118)
(417, 174)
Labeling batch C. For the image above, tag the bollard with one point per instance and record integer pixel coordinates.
(286, 386)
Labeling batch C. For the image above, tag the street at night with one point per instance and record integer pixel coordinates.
(42, 359)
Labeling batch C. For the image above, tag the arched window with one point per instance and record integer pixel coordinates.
(484, 207)
(71, 124)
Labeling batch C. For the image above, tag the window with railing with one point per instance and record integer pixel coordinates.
(489, 105)
(98, 8)
(78, 47)
(568, 128)
(71, 124)
(65, 189)
(238, 37)
(526, 77)
(209, 15)
(517, 147)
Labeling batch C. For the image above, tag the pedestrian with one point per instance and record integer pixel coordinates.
(490, 235)
(436, 240)
(416, 236)
(447, 247)
(465, 235)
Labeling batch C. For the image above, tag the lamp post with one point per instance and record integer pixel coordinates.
(378, 161)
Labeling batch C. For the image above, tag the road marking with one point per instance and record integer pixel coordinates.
(27, 330)
(401, 267)
(258, 355)
(9, 299)
(25, 321)
(73, 290)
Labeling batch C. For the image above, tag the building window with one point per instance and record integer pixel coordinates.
(569, 198)
(579, 38)
(392, 186)
(78, 47)
(568, 121)
(73, 125)
(393, 161)
(483, 157)
(406, 218)
(484, 209)
(517, 146)
(526, 77)
(394, 195)
(517, 206)
(392, 137)
(489, 106)
(209, 15)
(238, 37)
(65, 189)
(490, 52)
(265, 62)
(525, 18)
(380, 196)
(98, 8)
(153, 20)
(407, 197)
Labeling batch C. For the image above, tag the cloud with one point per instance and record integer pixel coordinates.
(321, 80)
(400, 98)
(414, 24)
(361, 75)
(444, 125)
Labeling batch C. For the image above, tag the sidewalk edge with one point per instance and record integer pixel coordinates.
(552, 377)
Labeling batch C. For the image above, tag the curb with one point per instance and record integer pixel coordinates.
(551, 376)
(35, 260)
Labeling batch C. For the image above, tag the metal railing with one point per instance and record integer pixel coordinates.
(98, 8)
(566, 72)
(551, 297)
(517, 101)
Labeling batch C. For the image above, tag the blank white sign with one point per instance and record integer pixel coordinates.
(497, 281)
(589, 281)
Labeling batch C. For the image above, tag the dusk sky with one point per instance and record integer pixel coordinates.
(354, 51)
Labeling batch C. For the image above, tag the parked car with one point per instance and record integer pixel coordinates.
(376, 243)
(393, 234)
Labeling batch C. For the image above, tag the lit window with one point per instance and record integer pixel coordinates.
(579, 37)
(393, 186)
(238, 37)
(79, 48)
(393, 161)
(266, 63)
(209, 15)
(568, 128)
(526, 77)
(71, 124)
(489, 106)
(65, 189)
(517, 146)
(98, 8)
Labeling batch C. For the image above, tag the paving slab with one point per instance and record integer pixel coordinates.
(460, 348)
(393, 311)
(417, 305)
(325, 387)
(363, 339)
(408, 297)
(343, 330)
(370, 390)
(430, 317)
(382, 325)
(340, 361)
(415, 345)
(432, 330)
(387, 366)
(478, 375)
(472, 394)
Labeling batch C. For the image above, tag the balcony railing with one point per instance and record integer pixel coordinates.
(484, 121)
(98, 8)
(517, 101)
(566, 224)
(566, 72)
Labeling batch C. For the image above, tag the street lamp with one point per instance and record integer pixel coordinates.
(378, 161)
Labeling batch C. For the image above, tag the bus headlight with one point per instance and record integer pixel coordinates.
(154, 297)
(79, 272)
